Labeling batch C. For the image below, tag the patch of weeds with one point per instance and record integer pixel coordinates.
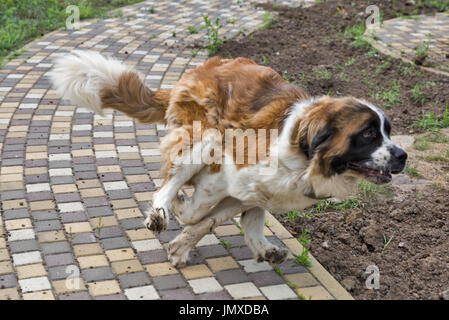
(411, 171)
(385, 65)
(350, 62)
(231, 21)
(391, 97)
(303, 259)
(268, 20)
(278, 270)
(373, 52)
(356, 32)
(212, 34)
(435, 157)
(288, 78)
(434, 135)
(265, 61)
(370, 191)
(421, 52)
(421, 145)
(192, 29)
(387, 242)
(226, 244)
(151, 10)
(174, 34)
(418, 96)
(322, 74)
(430, 121)
(153, 36)
(99, 227)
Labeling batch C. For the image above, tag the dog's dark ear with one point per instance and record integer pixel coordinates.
(309, 147)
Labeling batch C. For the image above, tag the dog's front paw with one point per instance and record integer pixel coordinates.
(273, 255)
(157, 220)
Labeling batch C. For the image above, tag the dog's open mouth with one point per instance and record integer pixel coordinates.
(370, 174)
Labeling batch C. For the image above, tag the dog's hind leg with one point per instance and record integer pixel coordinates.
(252, 222)
(180, 247)
(183, 169)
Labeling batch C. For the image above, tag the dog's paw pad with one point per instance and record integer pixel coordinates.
(156, 221)
(275, 255)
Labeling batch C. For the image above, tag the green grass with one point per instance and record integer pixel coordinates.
(24, 20)
(303, 259)
(411, 171)
(192, 29)
(268, 20)
(390, 97)
(356, 33)
(435, 157)
(212, 34)
(430, 121)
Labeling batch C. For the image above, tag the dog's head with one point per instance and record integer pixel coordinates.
(347, 136)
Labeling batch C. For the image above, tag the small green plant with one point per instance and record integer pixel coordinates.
(387, 242)
(265, 61)
(226, 244)
(304, 258)
(356, 32)
(212, 34)
(411, 171)
(430, 121)
(391, 97)
(100, 226)
(418, 95)
(288, 78)
(267, 20)
(174, 34)
(322, 74)
(192, 29)
(278, 270)
(421, 52)
(151, 10)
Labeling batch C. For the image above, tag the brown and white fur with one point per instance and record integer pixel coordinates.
(325, 145)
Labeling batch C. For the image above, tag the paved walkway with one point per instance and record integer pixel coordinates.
(400, 37)
(74, 184)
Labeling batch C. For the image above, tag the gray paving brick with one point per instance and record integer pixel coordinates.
(55, 247)
(8, 281)
(60, 259)
(174, 281)
(115, 243)
(97, 274)
(23, 246)
(136, 279)
(47, 225)
(232, 276)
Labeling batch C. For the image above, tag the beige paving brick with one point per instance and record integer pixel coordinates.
(160, 269)
(77, 227)
(128, 213)
(315, 293)
(120, 254)
(196, 271)
(123, 203)
(126, 266)
(14, 204)
(93, 261)
(103, 288)
(220, 264)
(227, 230)
(9, 294)
(140, 234)
(143, 196)
(91, 193)
(302, 279)
(70, 285)
(64, 188)
(4, 255)
(51, 236)
(18, 224)
(42, 205)
(108, 221)
(39, 295)
(6, 267)
(31, 271)
(88, 184)
(82, 250)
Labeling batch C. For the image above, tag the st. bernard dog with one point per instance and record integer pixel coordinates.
(323, 146)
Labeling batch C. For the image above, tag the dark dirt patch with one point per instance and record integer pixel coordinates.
(309, 47)
(415, 263)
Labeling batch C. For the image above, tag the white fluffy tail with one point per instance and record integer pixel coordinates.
(81, 76)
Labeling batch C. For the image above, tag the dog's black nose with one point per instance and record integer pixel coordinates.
(399, 154)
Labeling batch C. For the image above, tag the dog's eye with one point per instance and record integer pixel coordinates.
(370, 133)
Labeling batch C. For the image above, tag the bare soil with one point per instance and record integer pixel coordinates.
(406, 234)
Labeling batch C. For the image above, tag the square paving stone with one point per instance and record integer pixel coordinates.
(177, 294)
(142, 293)
(169, 282)
(243, 290)
(278, 292)
(82, 295)
(266, 278)
(130, 280)
(58, 273)
(23, 246)
(47, 225)
(115, 243)
(205, 285)
(232, 276)
(55, 247)
(212, 251)
(154, 256)
(289, 267)
(83, 238)
(61, 259)
(221, 295)
(97, 274)
(8, 281)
